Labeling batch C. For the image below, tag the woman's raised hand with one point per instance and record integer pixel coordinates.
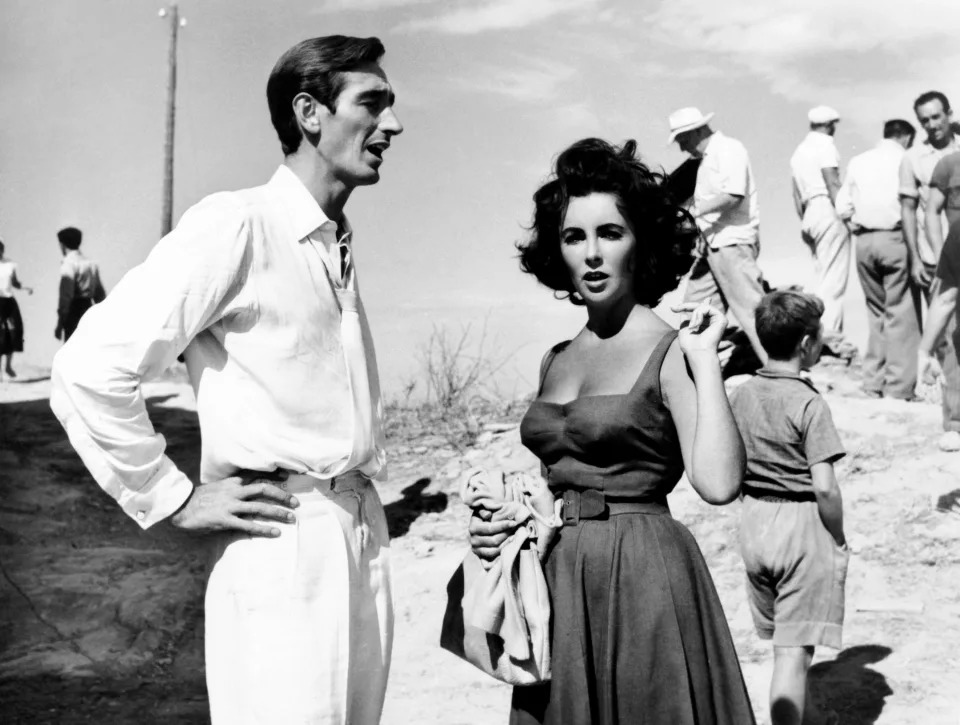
(703, 329)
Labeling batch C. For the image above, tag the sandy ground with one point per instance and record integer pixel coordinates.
(100, 622)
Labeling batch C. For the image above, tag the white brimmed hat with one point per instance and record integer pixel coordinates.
(822, 114)
(686, 119)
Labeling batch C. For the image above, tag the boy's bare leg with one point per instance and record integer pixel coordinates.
(790, 702)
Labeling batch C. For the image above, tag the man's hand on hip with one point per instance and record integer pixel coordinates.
(238, 503)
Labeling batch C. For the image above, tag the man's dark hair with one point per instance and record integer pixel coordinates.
(70, 237)
(783, 317)
(924, 98)
(897, 128)
(315, 66)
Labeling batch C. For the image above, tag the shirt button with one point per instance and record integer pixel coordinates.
(141, 515)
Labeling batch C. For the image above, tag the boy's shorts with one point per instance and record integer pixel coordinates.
(796, 573)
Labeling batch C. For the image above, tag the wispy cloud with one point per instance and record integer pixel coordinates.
(335, 6)
(470, 18)
(867, 57)
(529, 80)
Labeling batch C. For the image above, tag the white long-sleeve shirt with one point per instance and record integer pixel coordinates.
(277, 349)
(869, 195)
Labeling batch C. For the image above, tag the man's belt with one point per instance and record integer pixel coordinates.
(593, 504)
(858, 230)
(763, 494)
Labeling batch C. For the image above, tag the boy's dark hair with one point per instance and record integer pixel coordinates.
(783, 317)
(897, 128)
(315, 66)
(70, 237)
(925, 98)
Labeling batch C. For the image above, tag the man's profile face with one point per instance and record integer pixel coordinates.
(687, 141)
(355, 136)
(935, 120)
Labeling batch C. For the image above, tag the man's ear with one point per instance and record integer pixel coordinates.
(309, 113)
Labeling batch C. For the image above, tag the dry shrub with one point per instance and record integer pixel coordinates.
(456, 377)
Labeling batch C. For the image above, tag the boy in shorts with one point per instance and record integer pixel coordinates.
(791, 533)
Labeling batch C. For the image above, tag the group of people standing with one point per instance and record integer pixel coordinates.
(80, 289)
(890, 212)
(258, 290)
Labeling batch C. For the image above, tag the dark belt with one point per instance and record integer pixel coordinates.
(762, 494)
(593, 504)
(857, 231)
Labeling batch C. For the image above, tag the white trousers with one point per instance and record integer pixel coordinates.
(829, 241)
(299, 628)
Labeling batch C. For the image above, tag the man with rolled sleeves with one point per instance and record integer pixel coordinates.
(944, 198)
(869, 201)
(257, 288)
(936, 118)
(815, 169)
(923, 231)
(727, 213)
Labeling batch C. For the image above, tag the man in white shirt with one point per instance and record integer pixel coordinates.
(815, 169)
(728, 216)
(258, 290)
(936, 118)
(869, 202)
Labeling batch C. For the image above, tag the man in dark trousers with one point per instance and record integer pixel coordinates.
(80, 285)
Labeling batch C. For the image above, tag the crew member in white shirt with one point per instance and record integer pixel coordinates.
(258, 290)
(727, 213)
(869, 202)
(815, 168)
(936, 117)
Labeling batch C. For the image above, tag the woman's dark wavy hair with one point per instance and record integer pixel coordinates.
(665, 232)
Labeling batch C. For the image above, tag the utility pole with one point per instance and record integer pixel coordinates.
(176, 22)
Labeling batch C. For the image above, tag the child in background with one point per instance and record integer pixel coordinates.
(791, 533)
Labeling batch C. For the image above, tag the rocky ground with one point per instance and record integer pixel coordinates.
(101, 622)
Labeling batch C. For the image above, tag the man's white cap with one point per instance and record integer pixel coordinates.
(686, 119)
(822, 114)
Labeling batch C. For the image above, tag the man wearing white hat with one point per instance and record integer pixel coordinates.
(816, 180)
(725, 208)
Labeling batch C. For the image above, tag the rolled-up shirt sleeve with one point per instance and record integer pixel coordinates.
(908, 179)
(183, 286)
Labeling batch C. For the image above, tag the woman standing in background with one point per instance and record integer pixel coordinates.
(11, 323)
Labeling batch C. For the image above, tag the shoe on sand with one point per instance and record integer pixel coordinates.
(949, 441)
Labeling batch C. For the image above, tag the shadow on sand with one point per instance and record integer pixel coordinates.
(850, 686)
(949, 502)
(68, 554)
(68, 557)
(403, 512)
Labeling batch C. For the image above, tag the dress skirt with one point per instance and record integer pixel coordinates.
(11, 326)
(639, 634)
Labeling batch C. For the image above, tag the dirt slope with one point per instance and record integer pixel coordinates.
(100, 622)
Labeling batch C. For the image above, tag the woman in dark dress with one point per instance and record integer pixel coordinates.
(639, 635)
(11, 324)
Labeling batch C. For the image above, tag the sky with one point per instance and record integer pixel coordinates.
(489, 91)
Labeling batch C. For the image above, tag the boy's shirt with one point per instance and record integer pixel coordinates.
(786, 428)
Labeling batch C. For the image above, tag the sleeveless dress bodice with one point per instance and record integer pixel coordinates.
(624, 445)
